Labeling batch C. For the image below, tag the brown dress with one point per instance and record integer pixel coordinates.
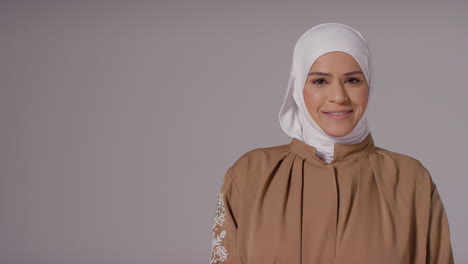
(284, 205)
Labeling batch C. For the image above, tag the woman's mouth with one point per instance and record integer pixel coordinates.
(339, 114)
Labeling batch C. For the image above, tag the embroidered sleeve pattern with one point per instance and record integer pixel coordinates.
(224, 243)
(218, 251)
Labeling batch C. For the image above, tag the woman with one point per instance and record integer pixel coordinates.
(329, 195)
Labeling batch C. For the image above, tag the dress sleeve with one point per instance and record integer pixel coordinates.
(225, 223)
(439, 248)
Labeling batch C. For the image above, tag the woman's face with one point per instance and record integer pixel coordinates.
(336, 93)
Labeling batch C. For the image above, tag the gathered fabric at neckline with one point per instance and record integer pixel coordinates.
(341, 151)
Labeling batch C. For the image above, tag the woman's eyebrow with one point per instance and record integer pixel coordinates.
(353, 72)
(319, 73)
(328, 74)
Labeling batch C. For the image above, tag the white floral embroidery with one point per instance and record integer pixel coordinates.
(218, 251)
(220, 212)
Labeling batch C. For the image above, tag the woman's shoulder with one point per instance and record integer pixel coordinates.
(399, 158)
(260, 157)
(410, 167)
(266, 152)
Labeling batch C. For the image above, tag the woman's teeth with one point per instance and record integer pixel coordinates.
(339, 113)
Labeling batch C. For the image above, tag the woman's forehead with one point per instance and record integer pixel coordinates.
(336, 60)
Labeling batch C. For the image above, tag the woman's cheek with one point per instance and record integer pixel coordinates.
(363, 96)
(360, 96)
(310, 98)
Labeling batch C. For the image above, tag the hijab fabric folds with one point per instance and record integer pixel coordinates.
(294, 118)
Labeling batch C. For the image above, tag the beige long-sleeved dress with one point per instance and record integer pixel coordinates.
(284, 205)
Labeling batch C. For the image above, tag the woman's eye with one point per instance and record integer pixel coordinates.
(319, 81)
(353, 80)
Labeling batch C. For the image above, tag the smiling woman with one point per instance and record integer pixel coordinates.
(329, 195)
(336, 93)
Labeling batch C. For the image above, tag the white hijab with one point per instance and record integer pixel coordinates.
(294, 118)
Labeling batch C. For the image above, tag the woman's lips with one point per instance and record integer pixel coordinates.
(338, 115)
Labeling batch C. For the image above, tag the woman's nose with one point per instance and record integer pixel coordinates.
(338, 93)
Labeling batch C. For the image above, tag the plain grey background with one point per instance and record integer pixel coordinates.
(119, 119)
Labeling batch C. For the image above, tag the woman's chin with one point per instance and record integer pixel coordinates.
(338, 132)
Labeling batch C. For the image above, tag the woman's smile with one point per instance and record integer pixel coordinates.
(339, 114)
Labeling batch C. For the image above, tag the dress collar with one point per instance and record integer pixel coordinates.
(341, 151)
